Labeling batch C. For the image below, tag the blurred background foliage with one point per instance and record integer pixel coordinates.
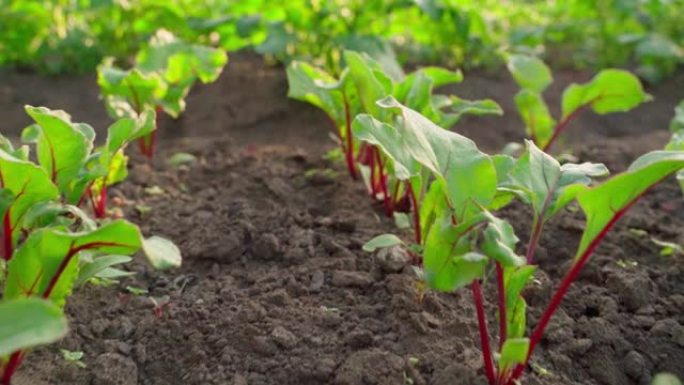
(56, 36)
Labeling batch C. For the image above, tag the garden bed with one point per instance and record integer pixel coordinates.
(275, 288)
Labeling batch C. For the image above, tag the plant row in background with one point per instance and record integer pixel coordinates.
(66, 35)
(394, 134)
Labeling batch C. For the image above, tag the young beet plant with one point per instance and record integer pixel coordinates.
(463, 239)
(65, 151)
(364, 81)
(49, 245)
(609, 91)
(163, 74)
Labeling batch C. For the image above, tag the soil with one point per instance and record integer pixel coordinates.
(275, 288)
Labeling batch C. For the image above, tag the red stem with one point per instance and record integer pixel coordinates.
(101, 207)
(383, 185)
(503, 332)
(7, 235)
(561, 126)
(416, 213)
(534, 240)
(11, 368)
(349, 150)
(565, 285)
(374, 191)
(484, 334)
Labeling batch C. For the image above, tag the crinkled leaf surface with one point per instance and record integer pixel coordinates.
(451, 157)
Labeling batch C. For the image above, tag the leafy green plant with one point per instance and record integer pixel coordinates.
(364, 81)
(49, 245)
(65, 151)
(609, 91)
(463, 237)
(164, 72)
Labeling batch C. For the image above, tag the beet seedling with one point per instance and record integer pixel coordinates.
(462, 236)
(66, 153)
(609, 91)
(49, 245)
(164, 72)
(363, 82)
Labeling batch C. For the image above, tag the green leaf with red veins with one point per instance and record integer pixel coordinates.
(23, 185)
(530, 73)
(539, 124)
(453, 158)
(47, 263)
(609, 91)
(62, 147)
(29, 322)
(605, 203)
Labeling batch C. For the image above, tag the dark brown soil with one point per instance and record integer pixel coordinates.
(275, 288)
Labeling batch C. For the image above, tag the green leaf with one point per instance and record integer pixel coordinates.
(180, 62)
(542, 182)
(371, 84)
(24, 185)
(129, 93)
(448, 262)
(514, 352)
(539, 123)
(451, 157)
(388, 139)
(499, 242)
(515, 281)
(666, 379)
(610, 91)
(62, 148)
(162, 253)
(29, 322)
(605, 203)
(312, 85)
(96, 266)
(530, 73)
(459, 107)
(381, 242)
(46, 252)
